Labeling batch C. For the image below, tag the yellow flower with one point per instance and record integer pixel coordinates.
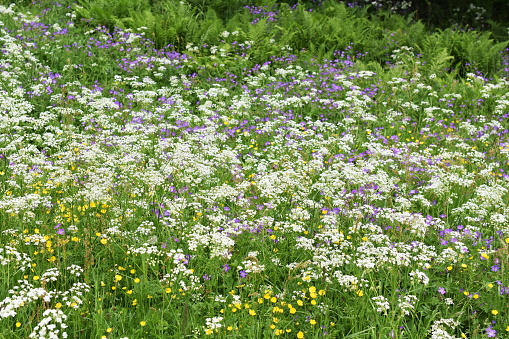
(143, 323)
(208, 331)
(18, 324)
(104, 241)
(118, 278)
(252, 312)
(312, 321)
(300, 335)
(109, 329)
(494, 312)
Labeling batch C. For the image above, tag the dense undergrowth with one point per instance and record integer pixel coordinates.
(313, 29)
(288, 171)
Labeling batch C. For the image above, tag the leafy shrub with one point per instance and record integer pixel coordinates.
(469, 50)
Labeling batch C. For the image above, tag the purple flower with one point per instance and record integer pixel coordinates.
(491, 332)
(243, 274)
(442, 290)
(59, 229)
(226, 267)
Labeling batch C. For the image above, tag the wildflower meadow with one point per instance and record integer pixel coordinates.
(242, 179)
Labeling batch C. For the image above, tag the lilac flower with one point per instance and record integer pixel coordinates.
(226, 267)
(243, 274)
(442, 290)
(491, 332)
(60, 230)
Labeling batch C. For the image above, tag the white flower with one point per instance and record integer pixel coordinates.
(382, 304)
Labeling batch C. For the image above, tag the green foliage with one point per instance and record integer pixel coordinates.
(225, 9)
(440, 61)
(332, 27)
(175, 24)
(468, 51)
(318, 31)
(209, 29)
(111, 13)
